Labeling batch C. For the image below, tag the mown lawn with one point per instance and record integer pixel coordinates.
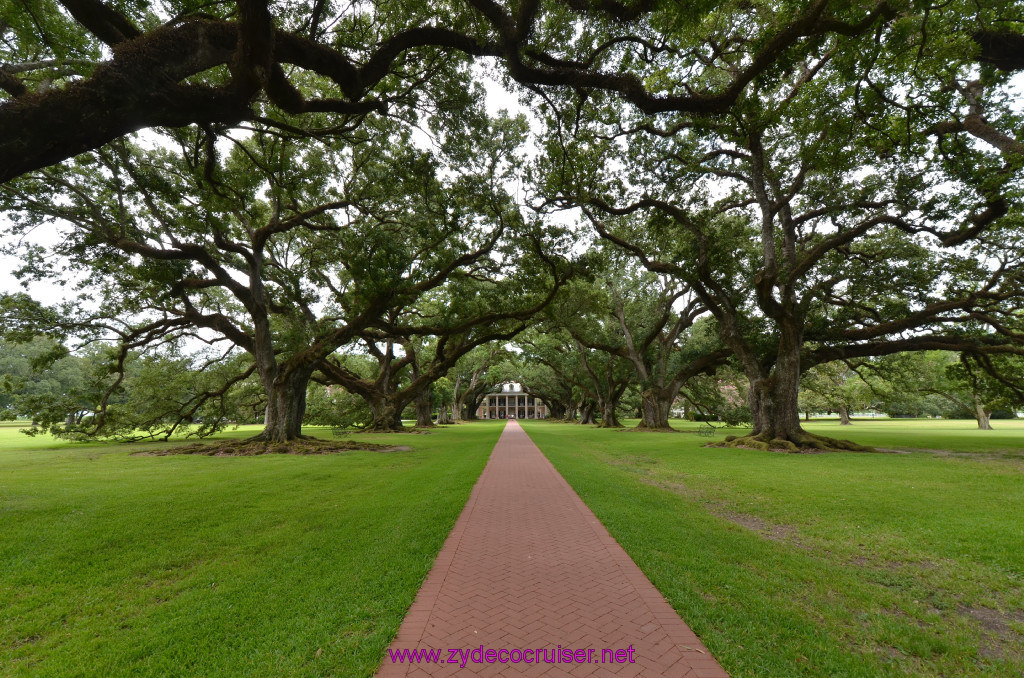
(114, 565)
(823, 564)
(954, 435)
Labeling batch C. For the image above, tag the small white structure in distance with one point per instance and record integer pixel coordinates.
(511, 402)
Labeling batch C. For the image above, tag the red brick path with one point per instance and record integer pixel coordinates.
(528, 565)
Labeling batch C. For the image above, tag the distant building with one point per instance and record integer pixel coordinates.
(511, 402)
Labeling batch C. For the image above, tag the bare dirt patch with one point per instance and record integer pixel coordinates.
(29, 640)
(770, 531)
(643, 429)
(252, 448)
(677, 488)
(994, 620)
(890, 652)
(1014, 455)
(998, 637)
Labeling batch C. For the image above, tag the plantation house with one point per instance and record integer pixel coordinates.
(511, 402)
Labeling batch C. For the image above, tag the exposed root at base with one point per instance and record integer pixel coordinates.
(262, 438)
(252, 448)
(654, 429)
(404, 429)
(800, 442)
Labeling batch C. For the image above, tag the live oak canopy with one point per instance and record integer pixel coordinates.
(787, 100)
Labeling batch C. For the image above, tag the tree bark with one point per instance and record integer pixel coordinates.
(773, 400)
(385, 414)
(556, 409)
(286, 407)
(424, 409)
(587, 413)
(654, 410)
(444, 416)
(982, 416)
(608, 417)
(774, 396)
(844, 415)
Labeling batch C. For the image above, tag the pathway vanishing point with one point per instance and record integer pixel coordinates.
(529, 566)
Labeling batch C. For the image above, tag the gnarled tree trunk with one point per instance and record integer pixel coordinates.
(773, 400)
(608, 417)
(587, 412)
(424, 409)
(654, 410)
(844, 415)
(982, 415)
(775, 411)
(385, 414)
(444, 415)
(286, 406)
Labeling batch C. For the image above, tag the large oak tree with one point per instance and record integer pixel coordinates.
(78, 74)
(816, 220)
(289, 251)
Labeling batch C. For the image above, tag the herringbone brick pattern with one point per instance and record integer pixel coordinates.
(528, 565)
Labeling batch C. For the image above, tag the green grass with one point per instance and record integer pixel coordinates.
(955, 435)
(113, 565)
(838, 564)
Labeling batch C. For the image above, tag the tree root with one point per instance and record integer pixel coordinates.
(797, 442)
(640, 428)
(262, 438)
(396, 429)
(250, 448)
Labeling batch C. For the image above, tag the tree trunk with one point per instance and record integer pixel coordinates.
(844, 415)
(456, 402)
(385, 415)
(443, 416)
(654, 409)
(286, 406)
(587, 412)
(608, 418)
(776, 414)
(807, 415)
(556, 410)
(473, 405)
(423, 410)
(773, 407)
(982, 416)
(773, 397)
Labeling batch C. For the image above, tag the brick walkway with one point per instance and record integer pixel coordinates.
(528, 565)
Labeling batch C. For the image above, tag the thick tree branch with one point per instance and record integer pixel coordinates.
(101, 20)
(1003, 49)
